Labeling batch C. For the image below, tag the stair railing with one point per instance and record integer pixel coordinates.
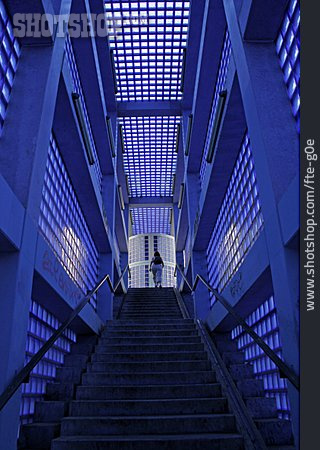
(23, 375)
(284, 369)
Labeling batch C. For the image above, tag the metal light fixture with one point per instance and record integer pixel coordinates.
(127, 184)
(110, 136)
(121, 138)
(181, 195)
(83, 127)
(216, 126)
(178, 138)
(188, 138)
(173, 183)
(183, 72)
(121, 197)
(113, 67)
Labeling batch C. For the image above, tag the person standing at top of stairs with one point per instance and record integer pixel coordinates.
(156, 267)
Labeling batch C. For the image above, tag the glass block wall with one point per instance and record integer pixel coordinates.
(141, 251)
(239, 221)
(288, 50)
(9, 56)
(151, 220)
(265, 323)
(41, 326)
(62, 223)
(220, 85)
(77, 87)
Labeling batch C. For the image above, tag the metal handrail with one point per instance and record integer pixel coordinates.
(284, 369)
(23, 375)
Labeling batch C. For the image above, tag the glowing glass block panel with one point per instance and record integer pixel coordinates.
(264, 322)
(151, 220)
(141, 251)
(220, 86)
(9, 55)
(62, 223)
(288, 50)
(41, 326)
(75, 76)
(150, 159)
(239, 221)
(148, 39)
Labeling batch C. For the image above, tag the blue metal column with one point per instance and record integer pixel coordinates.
(275, 150)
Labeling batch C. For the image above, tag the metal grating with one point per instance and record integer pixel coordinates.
(151, 220)
(150, 159)
(148, 39)
(288, 50)
(264, 322)
(9, 56)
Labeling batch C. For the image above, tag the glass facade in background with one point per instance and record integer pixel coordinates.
(41, 326)
(9, 55)
(220, 86)
(63, 224)
(148, 41)
(265, 323)
(288, 50)
(239, 221)
(77, 87)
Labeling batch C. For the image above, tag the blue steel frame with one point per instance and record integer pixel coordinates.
(265, 323)
(239, 221)
(63, 224)
(148, 39)
(9, 55)
(78, 89)
(220, 86)
(288, 50)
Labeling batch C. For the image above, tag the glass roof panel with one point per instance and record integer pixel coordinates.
(147, 39)
(151, 220)
(150, 159)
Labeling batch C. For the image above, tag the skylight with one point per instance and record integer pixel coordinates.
(147, 39)
(150, 158)
(151, 220)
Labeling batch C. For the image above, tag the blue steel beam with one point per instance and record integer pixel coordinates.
(213, 29)
(149, 108)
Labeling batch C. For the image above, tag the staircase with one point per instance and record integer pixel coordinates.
(147, 383)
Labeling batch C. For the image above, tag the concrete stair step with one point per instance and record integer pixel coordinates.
(262, 407)
(124, 379)
(38, 435)
(149, 340)
(69, 374)
(59, 391)
(118, 348)
(241, 371)
(148, 332)
(111, 326)
(96, 408)
(216, 441)
(50, 411)
(146, 391)
(155, 322)
(143, 316)
(275, 431)
(200, 423)
(233, 358)
(79, 361)
(144, 367)
(251, 388)
(149, 356)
